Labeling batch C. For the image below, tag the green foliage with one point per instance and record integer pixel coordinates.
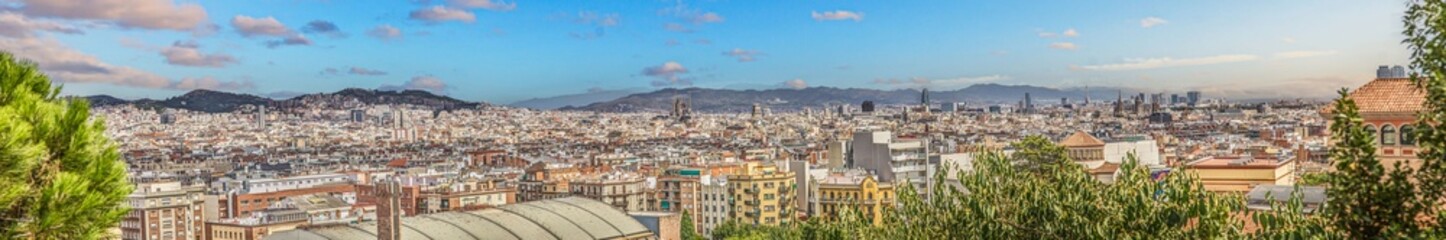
(1313, 179)
(60, 177)
(1052, 199)
(1037, 155)
(689, 232)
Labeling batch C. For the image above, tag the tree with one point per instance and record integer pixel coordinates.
(1053, 199)
(689, 232)
(60, 176)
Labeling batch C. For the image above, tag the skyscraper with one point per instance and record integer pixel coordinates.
(867, 106)
(261, 117)
(1192, 98)
(1028, 104)
(358, 115)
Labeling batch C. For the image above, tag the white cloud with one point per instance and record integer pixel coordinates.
(708, 17)
(1153, 63)
(796, 83)
(212, 84)
(188, 54)
(291, 40)
(1152, 22)
(484, 4)
(437, 14)
(1071, 33)
(1287, 40)
(1063, 46)
(385, 32)
(743, 55)
(838, 15)
(1303, 54)
(148, 14)
(67, 65)
(675, 27)
(424, 82)
(16, 25)
(919, 82)
(267, 26)
(668, 74)
(367, 72)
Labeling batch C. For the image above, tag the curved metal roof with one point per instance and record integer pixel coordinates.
(563, 218)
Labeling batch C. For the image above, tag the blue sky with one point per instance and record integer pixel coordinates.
(504, 51)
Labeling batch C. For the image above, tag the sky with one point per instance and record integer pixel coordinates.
(504, 51)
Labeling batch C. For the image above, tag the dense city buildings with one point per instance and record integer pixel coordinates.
(320, 166)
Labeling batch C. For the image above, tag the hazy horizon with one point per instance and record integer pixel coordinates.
(508, 51)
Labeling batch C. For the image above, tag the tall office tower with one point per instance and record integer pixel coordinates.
(924, 96)
(1175, 99)
(893, 159)
(1383, 72)
(1028, 104)
(261, 117)
(389, 210)
(168, 116)
(1192, 98)
(867, 106)
(1063, 101)
(358, 115)
(1398, 72)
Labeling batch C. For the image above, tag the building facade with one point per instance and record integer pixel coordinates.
(762, 194)
(165, 211)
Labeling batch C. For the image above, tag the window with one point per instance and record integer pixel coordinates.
(1373, 130)
(1388, 135)
(1408, 135)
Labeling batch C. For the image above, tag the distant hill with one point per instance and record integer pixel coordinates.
(580, 99)
(725, 100)
(214, 101)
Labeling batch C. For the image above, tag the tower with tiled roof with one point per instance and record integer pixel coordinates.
(1388, 107)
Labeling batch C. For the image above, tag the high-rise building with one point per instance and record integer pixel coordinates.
(893, 159)
(168, 117)
(165, 210)
(358, 115)
(1192, 98)
(261, 117)
(757, 111)
(762, 194)
(867, 106)
(1028, 104)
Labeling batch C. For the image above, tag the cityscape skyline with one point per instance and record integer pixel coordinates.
(505, 51)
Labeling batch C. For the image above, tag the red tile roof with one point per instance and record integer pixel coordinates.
(1081, 139)
(1386, 95)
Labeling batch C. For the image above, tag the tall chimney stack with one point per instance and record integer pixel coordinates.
(389, 210)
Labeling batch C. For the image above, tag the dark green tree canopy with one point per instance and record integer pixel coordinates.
(60, 176)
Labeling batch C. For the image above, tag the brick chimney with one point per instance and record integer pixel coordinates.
(389, 210)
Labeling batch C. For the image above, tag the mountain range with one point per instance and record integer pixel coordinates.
(725, 100)
(627, 100)
(215, 101)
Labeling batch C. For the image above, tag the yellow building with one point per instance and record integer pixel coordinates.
(762, 194)
(852, 191)
(1240, 174)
